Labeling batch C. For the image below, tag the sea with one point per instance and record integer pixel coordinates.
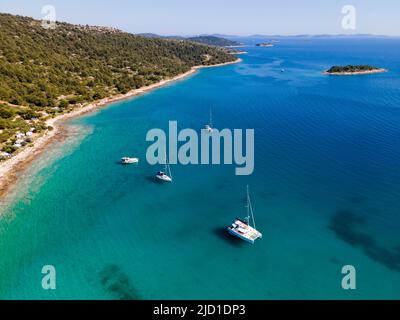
(325, 188)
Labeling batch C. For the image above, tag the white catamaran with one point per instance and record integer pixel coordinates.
(242, 228)
(165, 175)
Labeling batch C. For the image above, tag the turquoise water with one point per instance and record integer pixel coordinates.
(326, 188)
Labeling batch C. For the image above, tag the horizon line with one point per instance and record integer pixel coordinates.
(217, 34)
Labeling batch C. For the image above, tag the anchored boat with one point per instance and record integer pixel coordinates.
(242, 228)
(127, 160)
(165, 175)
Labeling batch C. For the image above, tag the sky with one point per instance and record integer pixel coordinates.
(232, 17)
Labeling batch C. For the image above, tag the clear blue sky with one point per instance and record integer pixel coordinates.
(241, 17)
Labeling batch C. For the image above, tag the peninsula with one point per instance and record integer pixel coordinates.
(49, 75)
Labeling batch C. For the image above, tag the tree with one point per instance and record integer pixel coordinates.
(64, 104)
(27, 114)
(6, 112)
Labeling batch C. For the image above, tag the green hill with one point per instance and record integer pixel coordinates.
(47, 72)
(38, 65)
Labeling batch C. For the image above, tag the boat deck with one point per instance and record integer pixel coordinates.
(244, 231)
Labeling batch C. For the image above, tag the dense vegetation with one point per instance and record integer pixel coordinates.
(351, 68)
(154, 35)
(46, 72)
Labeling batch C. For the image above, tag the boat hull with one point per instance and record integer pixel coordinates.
(240, 236)
(129, 160)
(164, 178)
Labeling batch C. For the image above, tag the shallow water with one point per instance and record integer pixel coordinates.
(325, 188)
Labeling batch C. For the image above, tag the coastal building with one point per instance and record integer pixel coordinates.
(19, 135)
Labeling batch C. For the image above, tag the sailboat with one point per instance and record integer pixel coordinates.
(245, 229)
(165, 175)
(209, 127)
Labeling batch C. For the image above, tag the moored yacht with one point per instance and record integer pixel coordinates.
(165, 175)
(242, 228)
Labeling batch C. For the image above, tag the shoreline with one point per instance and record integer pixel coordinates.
(239, 52)
(11, 169)
(380, 70)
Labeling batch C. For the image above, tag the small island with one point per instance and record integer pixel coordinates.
(353, 70)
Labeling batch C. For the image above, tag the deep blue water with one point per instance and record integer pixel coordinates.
(326, 188)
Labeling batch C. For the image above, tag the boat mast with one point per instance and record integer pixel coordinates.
(250, 209)
(167, 167)
(247, 207)
(211, 124)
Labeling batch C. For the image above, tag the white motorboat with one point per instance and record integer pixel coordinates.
(126, 160)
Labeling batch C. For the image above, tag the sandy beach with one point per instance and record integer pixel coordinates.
(354, 73)
(12, 168)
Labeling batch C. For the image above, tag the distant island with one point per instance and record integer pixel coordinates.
(215, 41)
(353, 70)
(208, 40)
(264, 45)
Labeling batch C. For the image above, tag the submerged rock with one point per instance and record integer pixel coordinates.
(346, 224)
(117, 283)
